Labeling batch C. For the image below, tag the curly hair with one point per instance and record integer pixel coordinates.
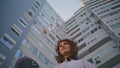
(74, 50)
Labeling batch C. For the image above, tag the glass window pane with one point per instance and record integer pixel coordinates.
(17, 54)
(7, 41)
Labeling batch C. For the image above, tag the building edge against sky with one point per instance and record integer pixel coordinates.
(98, 38)
(33, 29)
(28, 28)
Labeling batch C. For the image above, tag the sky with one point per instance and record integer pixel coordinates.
(65, 8)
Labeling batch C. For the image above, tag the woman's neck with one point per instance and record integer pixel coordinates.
(66, 57)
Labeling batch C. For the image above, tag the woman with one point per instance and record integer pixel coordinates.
(67, 56)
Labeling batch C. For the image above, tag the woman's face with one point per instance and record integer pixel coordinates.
(64, 48)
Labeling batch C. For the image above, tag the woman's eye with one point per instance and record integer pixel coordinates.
(60, 45)
(65, 43)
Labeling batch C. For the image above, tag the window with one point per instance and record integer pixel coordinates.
(16, 30)
(104, 16)
(84, 13)
(99, 27)
(50, 64)
(23, 22)
(115, 7)
(57, 36)
(91, 25)
(119, 34)
(2, 58)
(87, 19)
(80, 40)
(117, 2)
(85, 30)
(7, 41)
(42, 22)
(72, 28)
(35, 51)
(30, 46)
(82, 46)
(70, 22)
(94, 30)
(75, 31)
(106, 10)
(81, 15)
(52, 37)
(42, 58)
(53, 18)
(77, 35)
(36, 29)
(36, 6)
(45, 60)
(17, 54)
(97, 60)
(91, 40)
(90, 60)
(113, 13)
(37, 3)
(29, 14)
(24, 41)
(33, 8)
(99, 4)
(114, 26)
(82, 22)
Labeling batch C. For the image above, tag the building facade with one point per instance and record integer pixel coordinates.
(98, 40)
(29, 29)
(108, 15)
(32, 29)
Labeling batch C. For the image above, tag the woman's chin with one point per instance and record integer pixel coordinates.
(65, 52)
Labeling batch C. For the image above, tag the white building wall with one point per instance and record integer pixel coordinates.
(86, 30)
(41, 39)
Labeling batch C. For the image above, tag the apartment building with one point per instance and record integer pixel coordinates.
(108, 14)
(32, 28)
(94, 42)
(29, 29)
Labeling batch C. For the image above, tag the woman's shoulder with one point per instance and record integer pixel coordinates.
(85, 63)
(72, 62)
(76, 63)
(79, 61)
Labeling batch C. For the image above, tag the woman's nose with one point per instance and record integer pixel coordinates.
(62, 46)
